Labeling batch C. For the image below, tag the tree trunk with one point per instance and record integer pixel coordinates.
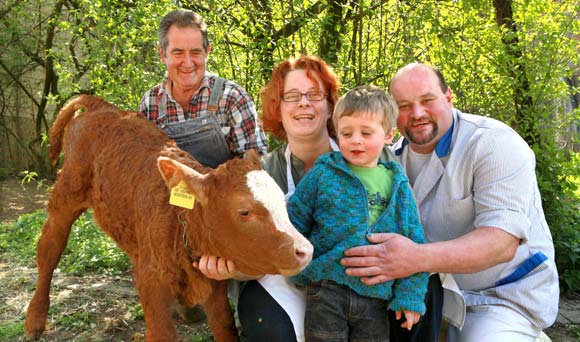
(332, 25)
(524, 121)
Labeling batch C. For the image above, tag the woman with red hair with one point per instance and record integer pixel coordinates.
(297, 106)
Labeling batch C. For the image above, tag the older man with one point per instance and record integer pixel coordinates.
(211, 118)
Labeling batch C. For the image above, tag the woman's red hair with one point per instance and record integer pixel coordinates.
(272, 91)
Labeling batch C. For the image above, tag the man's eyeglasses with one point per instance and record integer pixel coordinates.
(295, 96)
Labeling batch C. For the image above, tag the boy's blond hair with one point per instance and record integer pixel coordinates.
(368, 99)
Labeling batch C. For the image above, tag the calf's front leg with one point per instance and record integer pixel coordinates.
(219, 315)
(157, 302)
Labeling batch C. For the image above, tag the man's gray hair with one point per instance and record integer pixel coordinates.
(182, 18)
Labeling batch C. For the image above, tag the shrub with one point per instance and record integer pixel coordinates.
(561, 200)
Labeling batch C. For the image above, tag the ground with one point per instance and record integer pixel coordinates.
(105, 308)
(17, 199)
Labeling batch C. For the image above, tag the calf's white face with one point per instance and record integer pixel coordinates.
(268, 193)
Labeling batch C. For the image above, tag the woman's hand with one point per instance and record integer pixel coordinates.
(218, 268)
(215, 267)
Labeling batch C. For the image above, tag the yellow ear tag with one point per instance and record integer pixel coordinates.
(181, 197)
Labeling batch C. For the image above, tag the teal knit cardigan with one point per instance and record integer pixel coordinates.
(330, 208)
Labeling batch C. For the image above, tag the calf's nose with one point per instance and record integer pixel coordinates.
(304, 253)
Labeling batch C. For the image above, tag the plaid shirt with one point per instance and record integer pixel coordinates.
(236, 113)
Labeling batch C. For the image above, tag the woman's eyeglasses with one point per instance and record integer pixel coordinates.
(295, 96)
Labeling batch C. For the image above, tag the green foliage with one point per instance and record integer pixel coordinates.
(11, 331)
(33, 177)
(78, 320)
(88, 249)
(137, 312)
(562, 209)
(19, 241)
(4, 172)
(201, 336)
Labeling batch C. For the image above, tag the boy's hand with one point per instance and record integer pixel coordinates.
(411, 317)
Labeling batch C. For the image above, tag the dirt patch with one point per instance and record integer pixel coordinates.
(87, 308)
(17, 198)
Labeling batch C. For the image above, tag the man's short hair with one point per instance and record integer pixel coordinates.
(182, 18)
(442, 83)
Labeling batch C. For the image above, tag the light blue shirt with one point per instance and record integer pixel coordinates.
(483, 174)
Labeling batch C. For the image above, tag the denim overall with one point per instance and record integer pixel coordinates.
(202, 136)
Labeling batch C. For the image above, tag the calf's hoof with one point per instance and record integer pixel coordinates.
(34, 328)
(35, 322)
(33, 336)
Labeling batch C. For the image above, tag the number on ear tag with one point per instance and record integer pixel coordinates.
(181, 197)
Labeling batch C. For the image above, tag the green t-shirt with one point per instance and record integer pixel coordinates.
(378, 182)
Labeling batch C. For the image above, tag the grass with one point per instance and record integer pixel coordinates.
(11, 331)
(88, 248)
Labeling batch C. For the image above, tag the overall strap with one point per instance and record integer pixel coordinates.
(216, 93)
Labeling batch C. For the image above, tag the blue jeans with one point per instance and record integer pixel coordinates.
(202, 138)
(336, 313)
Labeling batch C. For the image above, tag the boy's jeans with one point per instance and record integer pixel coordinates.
(336, 313)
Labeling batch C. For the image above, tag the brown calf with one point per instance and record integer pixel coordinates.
(123, 167)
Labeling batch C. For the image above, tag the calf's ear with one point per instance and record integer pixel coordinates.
(174, 172)
(171, 171)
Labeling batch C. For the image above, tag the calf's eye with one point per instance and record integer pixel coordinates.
(244, 212)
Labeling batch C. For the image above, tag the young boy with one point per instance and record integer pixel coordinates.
(346, 196)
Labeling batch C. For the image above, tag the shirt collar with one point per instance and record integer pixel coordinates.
(443, 145)
(164, 85)
(167, 90)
